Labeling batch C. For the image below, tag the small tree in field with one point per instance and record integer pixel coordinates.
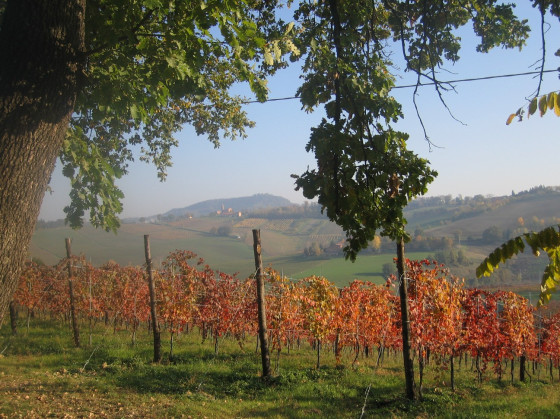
(318, 306)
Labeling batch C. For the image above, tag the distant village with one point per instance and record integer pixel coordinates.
(228, 213)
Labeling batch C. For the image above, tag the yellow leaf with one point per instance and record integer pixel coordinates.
(543, 105)
(550, 100)
(268, 58)
(510, 118)
(556, 105)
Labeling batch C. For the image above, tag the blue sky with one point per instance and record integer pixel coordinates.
(484, 156)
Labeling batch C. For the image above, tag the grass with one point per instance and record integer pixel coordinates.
(366, 268)
(42, 375)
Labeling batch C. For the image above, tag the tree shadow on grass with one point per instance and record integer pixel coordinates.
(294, 394)
(181, 379)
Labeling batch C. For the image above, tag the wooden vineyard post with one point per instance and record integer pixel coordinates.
(403, 291)
(75, 330)
(155, 325)
(90, 310)
(263, 335)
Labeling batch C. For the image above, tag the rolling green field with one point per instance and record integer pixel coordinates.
(227, 254)
(284, 240)
(42, 375)
(366, 268)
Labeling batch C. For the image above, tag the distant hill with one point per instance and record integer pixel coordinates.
(244, 204)
(512, 215)
(299, 240)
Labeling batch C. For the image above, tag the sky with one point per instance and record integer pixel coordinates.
(478, 155)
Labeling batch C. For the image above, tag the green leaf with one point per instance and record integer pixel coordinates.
(547, 239)
(292, 48)
(533, 106)
(152, 4)
(277, 51)
(134, 111)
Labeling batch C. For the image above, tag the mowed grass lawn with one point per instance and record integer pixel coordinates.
(43, 375)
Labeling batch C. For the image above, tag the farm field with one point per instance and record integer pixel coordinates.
(226, 254)
(286, 237)
(42, 375)
(366, 268)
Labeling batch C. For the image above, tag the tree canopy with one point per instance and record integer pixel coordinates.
(151, 67)
(365, 174)
(92, 81)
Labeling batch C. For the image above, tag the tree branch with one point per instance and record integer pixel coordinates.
(338, 110)
(146, 18)
(543, 42)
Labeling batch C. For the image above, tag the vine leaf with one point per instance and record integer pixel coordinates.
(548, 240)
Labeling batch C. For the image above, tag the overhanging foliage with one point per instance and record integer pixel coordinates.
(547, 240)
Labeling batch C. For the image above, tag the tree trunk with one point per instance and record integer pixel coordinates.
(403, 292)
(13, 317)
(421, 361)
(380, 351)
(451, 362)
(41, 44)
(522, 364)
(318, 353)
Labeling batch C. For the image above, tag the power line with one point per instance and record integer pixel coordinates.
(408, 86)
(500, 76)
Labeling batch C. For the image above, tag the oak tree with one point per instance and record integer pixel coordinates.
(88, 81)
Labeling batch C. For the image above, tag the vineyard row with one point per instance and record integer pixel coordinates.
(447, 319)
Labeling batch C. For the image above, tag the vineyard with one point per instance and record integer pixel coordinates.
(333, 342)
(449, 323)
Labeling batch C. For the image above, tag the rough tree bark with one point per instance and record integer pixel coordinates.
(41, 58)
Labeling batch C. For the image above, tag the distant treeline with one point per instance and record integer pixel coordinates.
(478, 200)
(50, 224)
(307, 210)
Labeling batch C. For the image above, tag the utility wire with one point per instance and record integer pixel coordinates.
(408, 86)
